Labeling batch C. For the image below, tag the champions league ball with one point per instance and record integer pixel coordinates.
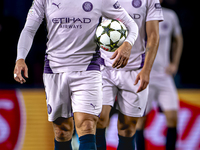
(110, 34)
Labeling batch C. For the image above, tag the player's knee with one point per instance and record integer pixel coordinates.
(126, 125)
(63, 130)
(141, 123)
(103, 122)
(87, 126)
(171, 120)
(85, 123)
(171, 117)
(126, 129)
(62, 136)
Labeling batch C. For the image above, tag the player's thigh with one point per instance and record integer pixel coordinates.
(57, 96)
(131, 103)
(86, 92)
(168, 98)
(109, 86)
(126, 125)
(152, 96)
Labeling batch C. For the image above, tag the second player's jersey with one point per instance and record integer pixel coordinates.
(141, 11)
(71, 26)
(168, 28)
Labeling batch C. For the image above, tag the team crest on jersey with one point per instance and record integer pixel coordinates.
(49, 109)
(117, 5)
(87, 6)
(137, 3)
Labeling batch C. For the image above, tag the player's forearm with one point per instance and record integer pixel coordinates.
(151, 51)
(132, 28)
(132, 32)
(26, 39)
(177, 50)
(152, 29)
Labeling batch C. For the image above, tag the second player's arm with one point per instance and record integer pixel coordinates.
(177, 46)
(152, 30)
(122, 54)
(113, 10)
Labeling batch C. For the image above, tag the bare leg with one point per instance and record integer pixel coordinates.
(63, 130)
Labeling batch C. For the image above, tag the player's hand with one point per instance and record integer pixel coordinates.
(121, 55)
(19, 67)
(171, 69)
(143, 76)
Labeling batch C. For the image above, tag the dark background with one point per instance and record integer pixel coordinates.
(12, 19)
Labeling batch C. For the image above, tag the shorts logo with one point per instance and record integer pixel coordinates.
(117, 5)
(137, 3)
(93, 105)
(158, 6)
(49, 109)
(87, 6)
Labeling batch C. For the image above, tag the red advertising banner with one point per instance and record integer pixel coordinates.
(12, 118)
(29, 129)
(155, 130)
(188, 129)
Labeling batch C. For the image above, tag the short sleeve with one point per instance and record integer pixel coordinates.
(37, 10)
(154, 10)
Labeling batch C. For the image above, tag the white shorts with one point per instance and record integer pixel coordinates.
(121, 84)
(76, 91)
(163, 90)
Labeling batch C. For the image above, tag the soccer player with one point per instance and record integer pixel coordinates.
(130, 84)
(72, 77)
(161, 86)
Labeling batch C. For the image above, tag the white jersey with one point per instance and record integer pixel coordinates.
(141, 11)
(168, 28)
(71, 27)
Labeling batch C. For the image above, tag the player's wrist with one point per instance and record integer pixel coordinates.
(146, 69)
(129, 42)
(21, 60)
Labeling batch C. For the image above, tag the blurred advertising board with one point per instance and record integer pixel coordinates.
(155, 130)
(24, 125)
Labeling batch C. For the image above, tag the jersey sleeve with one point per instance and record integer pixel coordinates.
(111, 9)
(176, 26)
(37, 11)
(34, 19)
(154, 10)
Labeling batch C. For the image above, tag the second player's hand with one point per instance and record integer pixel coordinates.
(143, 76)
(19, 67)
(171, 69)
(121, 55)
